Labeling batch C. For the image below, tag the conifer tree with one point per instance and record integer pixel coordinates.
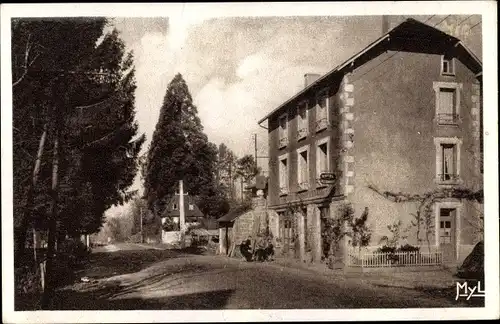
(179, 150)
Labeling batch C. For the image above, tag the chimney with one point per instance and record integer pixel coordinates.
(385, 24)
(310, 78)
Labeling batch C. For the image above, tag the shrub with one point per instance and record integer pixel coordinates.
(26, 280)
(386, 249)
(73, 252)
(408, 248)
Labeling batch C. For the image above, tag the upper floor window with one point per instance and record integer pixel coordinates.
(322, 111)
(303, 168)
(302, 121)
(447, 102)
(283, 131)
(283, 174)
(447, 66)
(191, 207)
(447, 160)
(322, 157)
(174, 207)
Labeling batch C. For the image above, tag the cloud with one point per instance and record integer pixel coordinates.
(229, 111)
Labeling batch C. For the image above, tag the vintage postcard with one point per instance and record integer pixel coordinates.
(249, 162)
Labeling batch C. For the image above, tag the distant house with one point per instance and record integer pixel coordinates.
(404, 114)
(171, 216)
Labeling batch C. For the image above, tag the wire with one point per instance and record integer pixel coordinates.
(474, 26)
(465, 20)
(442, 20)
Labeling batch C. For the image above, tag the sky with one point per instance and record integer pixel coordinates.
(240, 68)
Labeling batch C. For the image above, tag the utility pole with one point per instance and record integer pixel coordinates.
(255, 140)
(142, 236)
(182, 215)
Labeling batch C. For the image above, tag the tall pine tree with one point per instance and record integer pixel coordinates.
(179, 150)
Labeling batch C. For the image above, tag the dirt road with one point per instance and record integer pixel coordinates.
(133, 277)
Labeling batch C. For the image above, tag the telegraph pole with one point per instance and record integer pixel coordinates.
(255, 141)
(182, 215)
(142, 235)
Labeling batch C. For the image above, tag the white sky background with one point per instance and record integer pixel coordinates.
(239, 69)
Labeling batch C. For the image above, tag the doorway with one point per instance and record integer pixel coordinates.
(287, 234)
(447, 234)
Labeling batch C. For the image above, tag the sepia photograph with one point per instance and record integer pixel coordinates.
(249, 158)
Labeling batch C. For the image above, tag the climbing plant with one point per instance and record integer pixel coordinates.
(335, 229)
(424, 216)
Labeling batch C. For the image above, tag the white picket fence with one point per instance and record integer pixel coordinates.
(372, 259)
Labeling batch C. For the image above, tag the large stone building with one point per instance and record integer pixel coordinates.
(402, 115)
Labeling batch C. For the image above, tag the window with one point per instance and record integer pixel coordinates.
(191, 207)
(447, 160)
(322, 111)
(303, 168)
(447, 66)
(447, 102)
(174, 207)
(322, 157)
(283, 131)
(302, 121)
(283, 175)
(447, 106)
(445, 225)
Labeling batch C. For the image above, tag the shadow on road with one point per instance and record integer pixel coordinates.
(73, 300)
(107, 264)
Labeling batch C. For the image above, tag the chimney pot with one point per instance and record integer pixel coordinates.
(310, 78)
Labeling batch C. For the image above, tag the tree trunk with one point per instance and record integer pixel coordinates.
(26, 216)
(49, 280)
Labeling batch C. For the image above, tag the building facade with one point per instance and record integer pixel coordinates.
(402, 115)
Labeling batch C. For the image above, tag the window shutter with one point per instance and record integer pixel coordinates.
(446, 102)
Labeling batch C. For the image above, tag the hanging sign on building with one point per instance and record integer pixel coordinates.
(327, 178)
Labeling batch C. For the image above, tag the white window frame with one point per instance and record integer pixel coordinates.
(451, 63)
(283, 136)
(321, 125)
(318, 143)
(456, 87)
(191, 207)
(283, 190)
(457, 205)
(302, 132)
(303, 184)
(438, 142)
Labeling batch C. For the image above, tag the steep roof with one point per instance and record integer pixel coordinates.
(409, 36)
(188, 202)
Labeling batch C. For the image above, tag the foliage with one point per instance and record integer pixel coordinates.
(179, 136)
(169, 225)
(74, 252)
(226, 170)
(397, 234)
(346, 224)
(360, 233)
(214, 203)
(246, 168)
(88, 91)
(424, 217)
